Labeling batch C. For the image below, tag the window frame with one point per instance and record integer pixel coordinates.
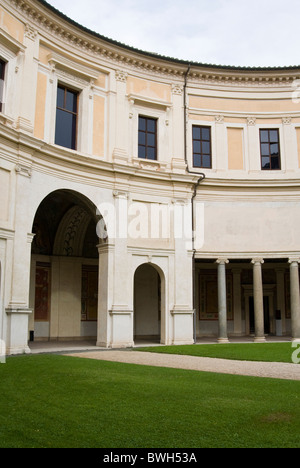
(2, 78)
(269, 142)
(64, 109)
(201, 141)
(146, 133)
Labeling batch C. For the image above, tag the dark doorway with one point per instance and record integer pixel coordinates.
(266, 315)
(147, 304)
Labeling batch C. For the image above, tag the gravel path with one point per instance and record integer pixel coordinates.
(273, 370)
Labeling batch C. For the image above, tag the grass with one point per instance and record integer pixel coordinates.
(268, 352)
(50, 401)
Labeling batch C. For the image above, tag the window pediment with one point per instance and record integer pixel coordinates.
(149, 102)
(81, 73)
(10, 43)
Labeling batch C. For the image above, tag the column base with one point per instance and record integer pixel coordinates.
(261, 339)
(15, 350)
(182, 343)
(223, 340)
(17, 331)
(122, 345)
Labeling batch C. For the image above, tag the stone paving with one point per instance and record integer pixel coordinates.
(275, 370)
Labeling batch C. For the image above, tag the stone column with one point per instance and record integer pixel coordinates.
(237, 300)
(222, 300)
(258, 300)
(280, 272)
(295, 298)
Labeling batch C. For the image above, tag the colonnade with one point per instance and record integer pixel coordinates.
(258, 295)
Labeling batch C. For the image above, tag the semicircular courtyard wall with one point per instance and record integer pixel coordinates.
(186, 166)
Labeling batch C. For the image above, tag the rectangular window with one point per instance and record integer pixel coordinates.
(202, 147)
(2, 73)
(66, 117)
(270, 150)
(147, 138)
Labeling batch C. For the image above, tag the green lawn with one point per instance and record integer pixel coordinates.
(62, 401)
(270, 352)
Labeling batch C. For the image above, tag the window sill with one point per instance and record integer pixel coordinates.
(149, 164)
(6, 120)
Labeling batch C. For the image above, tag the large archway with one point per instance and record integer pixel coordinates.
(148, 304)
(64, 269)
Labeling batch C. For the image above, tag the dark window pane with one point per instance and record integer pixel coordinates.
(142, 124)
(2, 72)
(151, 139)
(2, 68)
(205, 147)
(147, 138)
(275, 162)
(142, 138)
(71, 101)
(197, 147)
(196, 133)
(151, 125)
(60, 97)
(65, 131)
(206, 162)
(151, 153)
(264, 136)
(197, 160)
(274, 136)
(201, 146)
(274, 149)
(265, 149)
(142, 152)
(66, 118)
(265, 162)
(270, 151)
(206, 134)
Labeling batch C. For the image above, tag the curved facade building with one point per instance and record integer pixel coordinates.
(142, 197)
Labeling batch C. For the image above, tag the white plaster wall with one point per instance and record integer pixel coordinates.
(243, 227)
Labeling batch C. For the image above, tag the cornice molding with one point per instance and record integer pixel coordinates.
(40, 18)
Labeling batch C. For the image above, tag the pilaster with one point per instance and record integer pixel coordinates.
(29, 81)
(120, 151)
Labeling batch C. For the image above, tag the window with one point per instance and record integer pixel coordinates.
(270, 149)
(201, 146)
(147, 138)
(2, 72)
(66, 117)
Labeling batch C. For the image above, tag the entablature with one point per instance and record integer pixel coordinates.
(71, 35)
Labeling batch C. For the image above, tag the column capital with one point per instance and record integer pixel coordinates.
(104, 247)
(294, 260)
(222, 260)
(257, 260)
